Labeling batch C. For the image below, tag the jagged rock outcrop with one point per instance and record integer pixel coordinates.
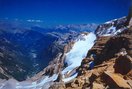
(58, 85)
(85, 65)
(105, 75)
(115, 81)
(123, 64)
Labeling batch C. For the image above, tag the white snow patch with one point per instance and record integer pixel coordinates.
(36, 84)
(110, 21)
(70, 78)
(110, 31)
(78, 52)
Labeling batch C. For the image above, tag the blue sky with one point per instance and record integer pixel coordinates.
(64, 11)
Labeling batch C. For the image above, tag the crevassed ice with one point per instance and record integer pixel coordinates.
(70, 78)
(78, 52)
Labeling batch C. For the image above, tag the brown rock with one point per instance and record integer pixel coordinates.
(79, 82)
(123, 64)
(58, 85)
(93, 77)
(129, 75)
(130, 83)
(75, 84)
(115, 81)
(97, 86)
(130, 23)
(85, 60)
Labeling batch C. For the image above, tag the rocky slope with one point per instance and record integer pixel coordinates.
(112, 70)
(108, 64)
(100, 60)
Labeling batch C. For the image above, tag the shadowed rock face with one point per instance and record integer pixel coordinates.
(22, 54)
(123, 64)
(129, 17)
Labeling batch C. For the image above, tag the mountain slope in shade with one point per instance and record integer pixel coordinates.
(28, 48)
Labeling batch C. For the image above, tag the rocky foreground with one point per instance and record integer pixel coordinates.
(112, 72)
(108, 64)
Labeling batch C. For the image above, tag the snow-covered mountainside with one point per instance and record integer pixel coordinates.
(91, 60)
(112, 27)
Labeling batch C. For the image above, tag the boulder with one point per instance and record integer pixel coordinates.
(58, 85)
(115, 81)
(97, 86)
(123, 64)
(79, 82)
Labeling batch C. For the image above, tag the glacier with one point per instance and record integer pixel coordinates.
(78, 52)
(73, 59)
